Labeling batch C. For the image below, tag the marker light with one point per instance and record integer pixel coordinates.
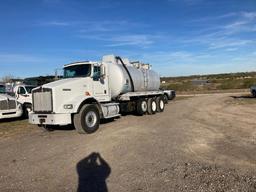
(68, 106)
(87, 93)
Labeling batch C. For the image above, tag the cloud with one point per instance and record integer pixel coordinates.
(187, 2)
(52, 2)
(124, 40)
(114, 33)
(107, 25)
(231, 49)
(233, 43)
(84, 26)
(19, 58)
(56, 23)
(231, 35)
(249, 15)
(208, 19)
(111, 40)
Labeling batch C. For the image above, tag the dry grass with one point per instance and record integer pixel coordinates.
(12, 127)
(216, 83)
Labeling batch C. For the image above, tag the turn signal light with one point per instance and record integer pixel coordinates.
(87, 93)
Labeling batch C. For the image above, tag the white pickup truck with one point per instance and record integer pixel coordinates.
(9, 106)
(24, 96)
(253, 90)
(169, 95)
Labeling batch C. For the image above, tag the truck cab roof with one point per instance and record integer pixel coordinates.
(80, 63)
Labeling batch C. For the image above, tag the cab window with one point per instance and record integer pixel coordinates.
(96, 73)
(22, 91)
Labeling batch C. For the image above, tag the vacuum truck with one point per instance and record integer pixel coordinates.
(91, 91)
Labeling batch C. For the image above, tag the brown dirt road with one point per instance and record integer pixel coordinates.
(205, 143)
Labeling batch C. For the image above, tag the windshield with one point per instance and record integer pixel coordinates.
(2, 89)
(77, 71)
(29, 88)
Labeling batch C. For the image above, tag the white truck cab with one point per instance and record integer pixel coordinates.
(9, 106)
(23, 94)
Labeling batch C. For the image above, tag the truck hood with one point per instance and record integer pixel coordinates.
(64, 82)
(5, 96)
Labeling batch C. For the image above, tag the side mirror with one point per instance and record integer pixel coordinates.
(102, 71)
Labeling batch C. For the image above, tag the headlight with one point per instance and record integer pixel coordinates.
(68, 106)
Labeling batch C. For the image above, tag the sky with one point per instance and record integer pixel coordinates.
(177, 37)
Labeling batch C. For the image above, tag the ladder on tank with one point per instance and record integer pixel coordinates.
(145, 74)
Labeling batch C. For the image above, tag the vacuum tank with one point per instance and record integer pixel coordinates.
(127, 77)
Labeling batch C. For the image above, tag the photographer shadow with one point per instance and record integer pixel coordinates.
(92, 172)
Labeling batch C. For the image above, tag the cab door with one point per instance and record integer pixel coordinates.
(22, 94)
(100, 85)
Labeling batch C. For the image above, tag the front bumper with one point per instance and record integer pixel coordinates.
(50, 119)
(4, 114)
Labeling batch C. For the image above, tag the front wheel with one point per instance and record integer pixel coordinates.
(87, 120)
(26, 109)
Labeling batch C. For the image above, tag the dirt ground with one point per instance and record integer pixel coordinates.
(203, 143)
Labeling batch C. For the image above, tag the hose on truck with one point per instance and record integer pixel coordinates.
(120, 59)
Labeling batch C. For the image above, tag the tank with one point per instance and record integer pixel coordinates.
(144, 79)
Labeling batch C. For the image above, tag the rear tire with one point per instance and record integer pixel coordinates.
(160, 104)
(87, 120)
(141, 107)
(151, 106)
(165, 99)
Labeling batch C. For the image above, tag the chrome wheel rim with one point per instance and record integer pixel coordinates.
(90, 119)
(144, 106)
(153, 106)
(161, 104)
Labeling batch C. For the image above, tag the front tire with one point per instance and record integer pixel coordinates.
(87, 120)
(26, 109)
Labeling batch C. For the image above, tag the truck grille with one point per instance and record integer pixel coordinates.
(7, 104)
(42, 100)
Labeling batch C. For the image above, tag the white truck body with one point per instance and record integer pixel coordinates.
(97, 90)
(9, 107)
